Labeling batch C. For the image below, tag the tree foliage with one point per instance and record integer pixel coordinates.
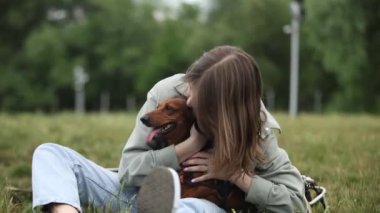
(126, 46)
(342, 34)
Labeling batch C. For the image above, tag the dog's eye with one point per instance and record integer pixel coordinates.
(169, 108)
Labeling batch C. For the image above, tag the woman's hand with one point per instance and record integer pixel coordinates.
(201, 162)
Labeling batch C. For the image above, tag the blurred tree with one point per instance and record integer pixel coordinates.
(371, 75)
(344, 35)
(117, 41)
(171, 52)
(108, 38)
(126, 46)
(17, 20)
(253, 26)
(26, 40)
(46, 59)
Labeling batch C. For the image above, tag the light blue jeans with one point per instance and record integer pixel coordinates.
(61, 175)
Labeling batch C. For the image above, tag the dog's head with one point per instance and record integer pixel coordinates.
(170, 121)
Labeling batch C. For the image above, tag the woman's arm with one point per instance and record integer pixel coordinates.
(190, 146)
(138, 159)
(277, 185)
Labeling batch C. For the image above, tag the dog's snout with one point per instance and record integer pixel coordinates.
(145, 120)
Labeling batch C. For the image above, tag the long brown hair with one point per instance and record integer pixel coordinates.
(228, 88)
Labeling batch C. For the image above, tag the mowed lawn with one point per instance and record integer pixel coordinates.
(340, 151)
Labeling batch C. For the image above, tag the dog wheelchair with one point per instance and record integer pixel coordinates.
(314, 193)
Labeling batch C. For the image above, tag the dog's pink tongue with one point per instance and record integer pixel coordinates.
(151, 135)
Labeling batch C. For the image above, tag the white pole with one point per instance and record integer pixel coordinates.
(131, 102)
(104, 101)
(318, 101)
(294, 61)
(271, 96)
(80, 78)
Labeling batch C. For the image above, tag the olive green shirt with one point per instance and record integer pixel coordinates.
(276, 187)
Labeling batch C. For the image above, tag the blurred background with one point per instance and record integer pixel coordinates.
(64, 56)
(111, 52)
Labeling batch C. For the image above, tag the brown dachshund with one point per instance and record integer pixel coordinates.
(171, 122)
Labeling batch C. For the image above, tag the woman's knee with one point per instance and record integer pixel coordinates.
(47, 149)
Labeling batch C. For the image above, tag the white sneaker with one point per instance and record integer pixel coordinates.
(160, 192)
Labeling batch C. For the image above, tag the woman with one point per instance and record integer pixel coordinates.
(224, 89)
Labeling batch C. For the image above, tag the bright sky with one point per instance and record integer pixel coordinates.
(175, 3)
(160, 15)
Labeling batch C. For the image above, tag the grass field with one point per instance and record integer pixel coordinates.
(341, 152)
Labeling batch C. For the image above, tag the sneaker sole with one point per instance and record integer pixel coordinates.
(158, 193)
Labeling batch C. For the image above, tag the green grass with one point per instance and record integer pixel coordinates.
(341, 152)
